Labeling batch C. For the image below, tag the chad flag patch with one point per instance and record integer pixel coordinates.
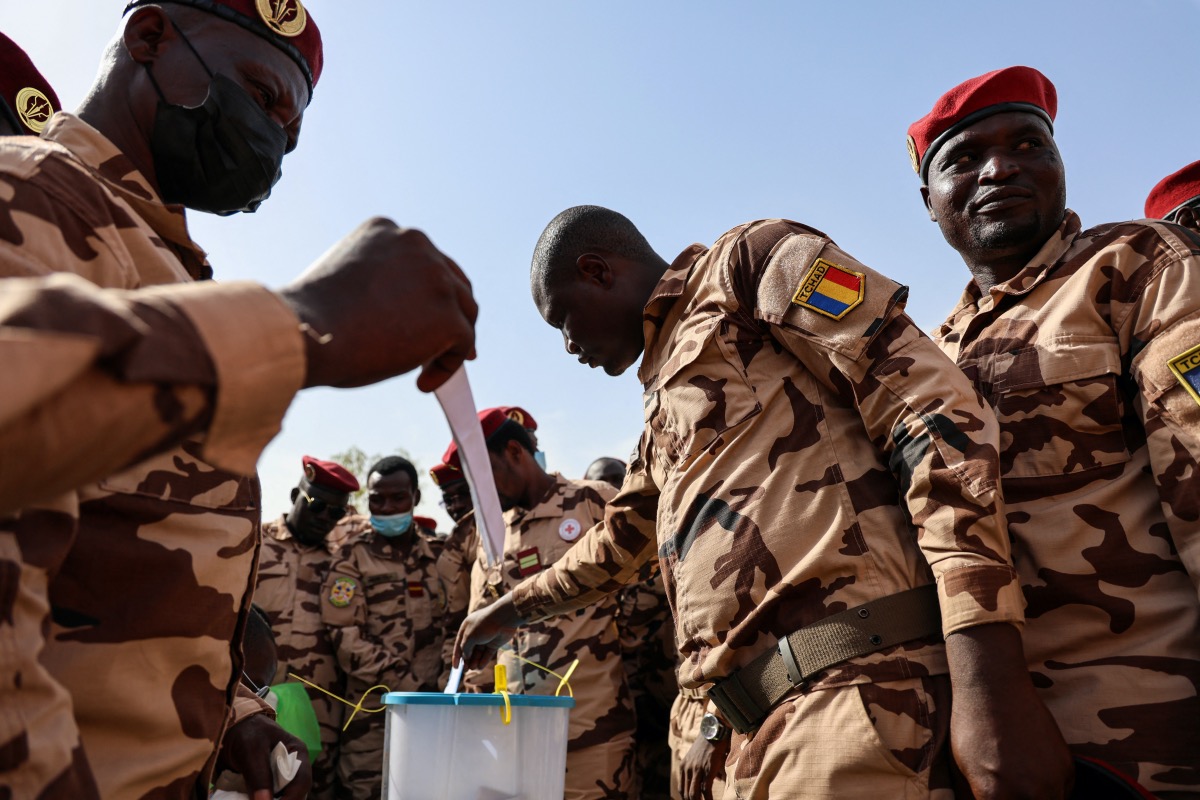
(830, 290)
(1186, 367)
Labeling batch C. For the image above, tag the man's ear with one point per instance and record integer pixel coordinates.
(1188, 217)
(928, 205)
(295, 494)
(595, 269)
(416, 498)
(145, 32)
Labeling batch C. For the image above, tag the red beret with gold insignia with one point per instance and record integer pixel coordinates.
(25, 96)
(446, 475)
(284, 23)
(1173, 192)
(329, 474)
(518, 414)
(1008, 89)
(491, 420)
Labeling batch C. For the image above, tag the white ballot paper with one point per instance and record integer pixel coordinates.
(284, 766)
(459, 407)
(458, 404)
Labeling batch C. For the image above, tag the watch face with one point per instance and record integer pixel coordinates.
(710, 727)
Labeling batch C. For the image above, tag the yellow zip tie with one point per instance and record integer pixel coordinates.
(501, 675)
(563, 680)
(356, 706)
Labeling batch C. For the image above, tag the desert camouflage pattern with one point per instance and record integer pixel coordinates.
(1099, 451)
(288, 589)
(689, 707)
(793, 465)
(650, 659)
(148, 571)
(865, 741)
(600, 749)
(384, 607)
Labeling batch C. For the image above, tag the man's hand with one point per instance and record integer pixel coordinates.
(701, 763)
(483, 632)
(1004, 740)
(246, 750)
(391, 302)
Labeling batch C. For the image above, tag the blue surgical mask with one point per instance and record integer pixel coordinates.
(540, 458)
(392, 524)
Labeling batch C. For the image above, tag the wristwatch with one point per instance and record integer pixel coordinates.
(712, 729)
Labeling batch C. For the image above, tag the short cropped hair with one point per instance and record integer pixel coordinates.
(579, 230)
(510, 431)
(392, 464)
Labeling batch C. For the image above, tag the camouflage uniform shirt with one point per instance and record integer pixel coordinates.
(149, 571)
(793, 465)
(1099, 451)
(535, 539)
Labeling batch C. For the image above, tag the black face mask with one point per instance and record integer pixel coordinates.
(222, 156)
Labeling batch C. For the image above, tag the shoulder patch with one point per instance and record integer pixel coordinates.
(342, 592)
(830, 290)
(1186, 368)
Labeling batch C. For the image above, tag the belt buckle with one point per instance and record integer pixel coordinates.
(725, 695)
(795, 676)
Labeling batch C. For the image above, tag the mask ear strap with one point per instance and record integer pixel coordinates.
(190, 46)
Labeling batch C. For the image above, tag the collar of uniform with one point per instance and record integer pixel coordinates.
(279, 531)
(550, 507)
(669, 289)
(1031, 275)
(411, 542)
(113, 168)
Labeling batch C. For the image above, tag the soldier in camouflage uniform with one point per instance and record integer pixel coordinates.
(1087, 345)
(165, 364)
(544, 514)
(807, 452)
(297, 551)
(650, 658)
(384, 606)
(1176, 198)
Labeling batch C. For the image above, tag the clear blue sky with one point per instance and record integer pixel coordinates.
(478, 121)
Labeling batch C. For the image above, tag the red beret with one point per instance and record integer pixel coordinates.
(1173, 192)
(329, 474)
(24, 93)
(284, 23)
(491, 420)
(1008, 89)
(428, 523)
(446, 474)
(518, 414)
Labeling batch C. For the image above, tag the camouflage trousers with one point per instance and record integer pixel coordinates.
(686, 712)
(360, 759)
(601, 772)
(868, 741)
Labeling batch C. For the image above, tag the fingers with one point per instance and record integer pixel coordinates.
(299, 786)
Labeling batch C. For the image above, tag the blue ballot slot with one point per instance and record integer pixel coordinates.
(459, 746)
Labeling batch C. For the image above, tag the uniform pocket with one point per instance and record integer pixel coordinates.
(700, 393)
(1060, 408)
